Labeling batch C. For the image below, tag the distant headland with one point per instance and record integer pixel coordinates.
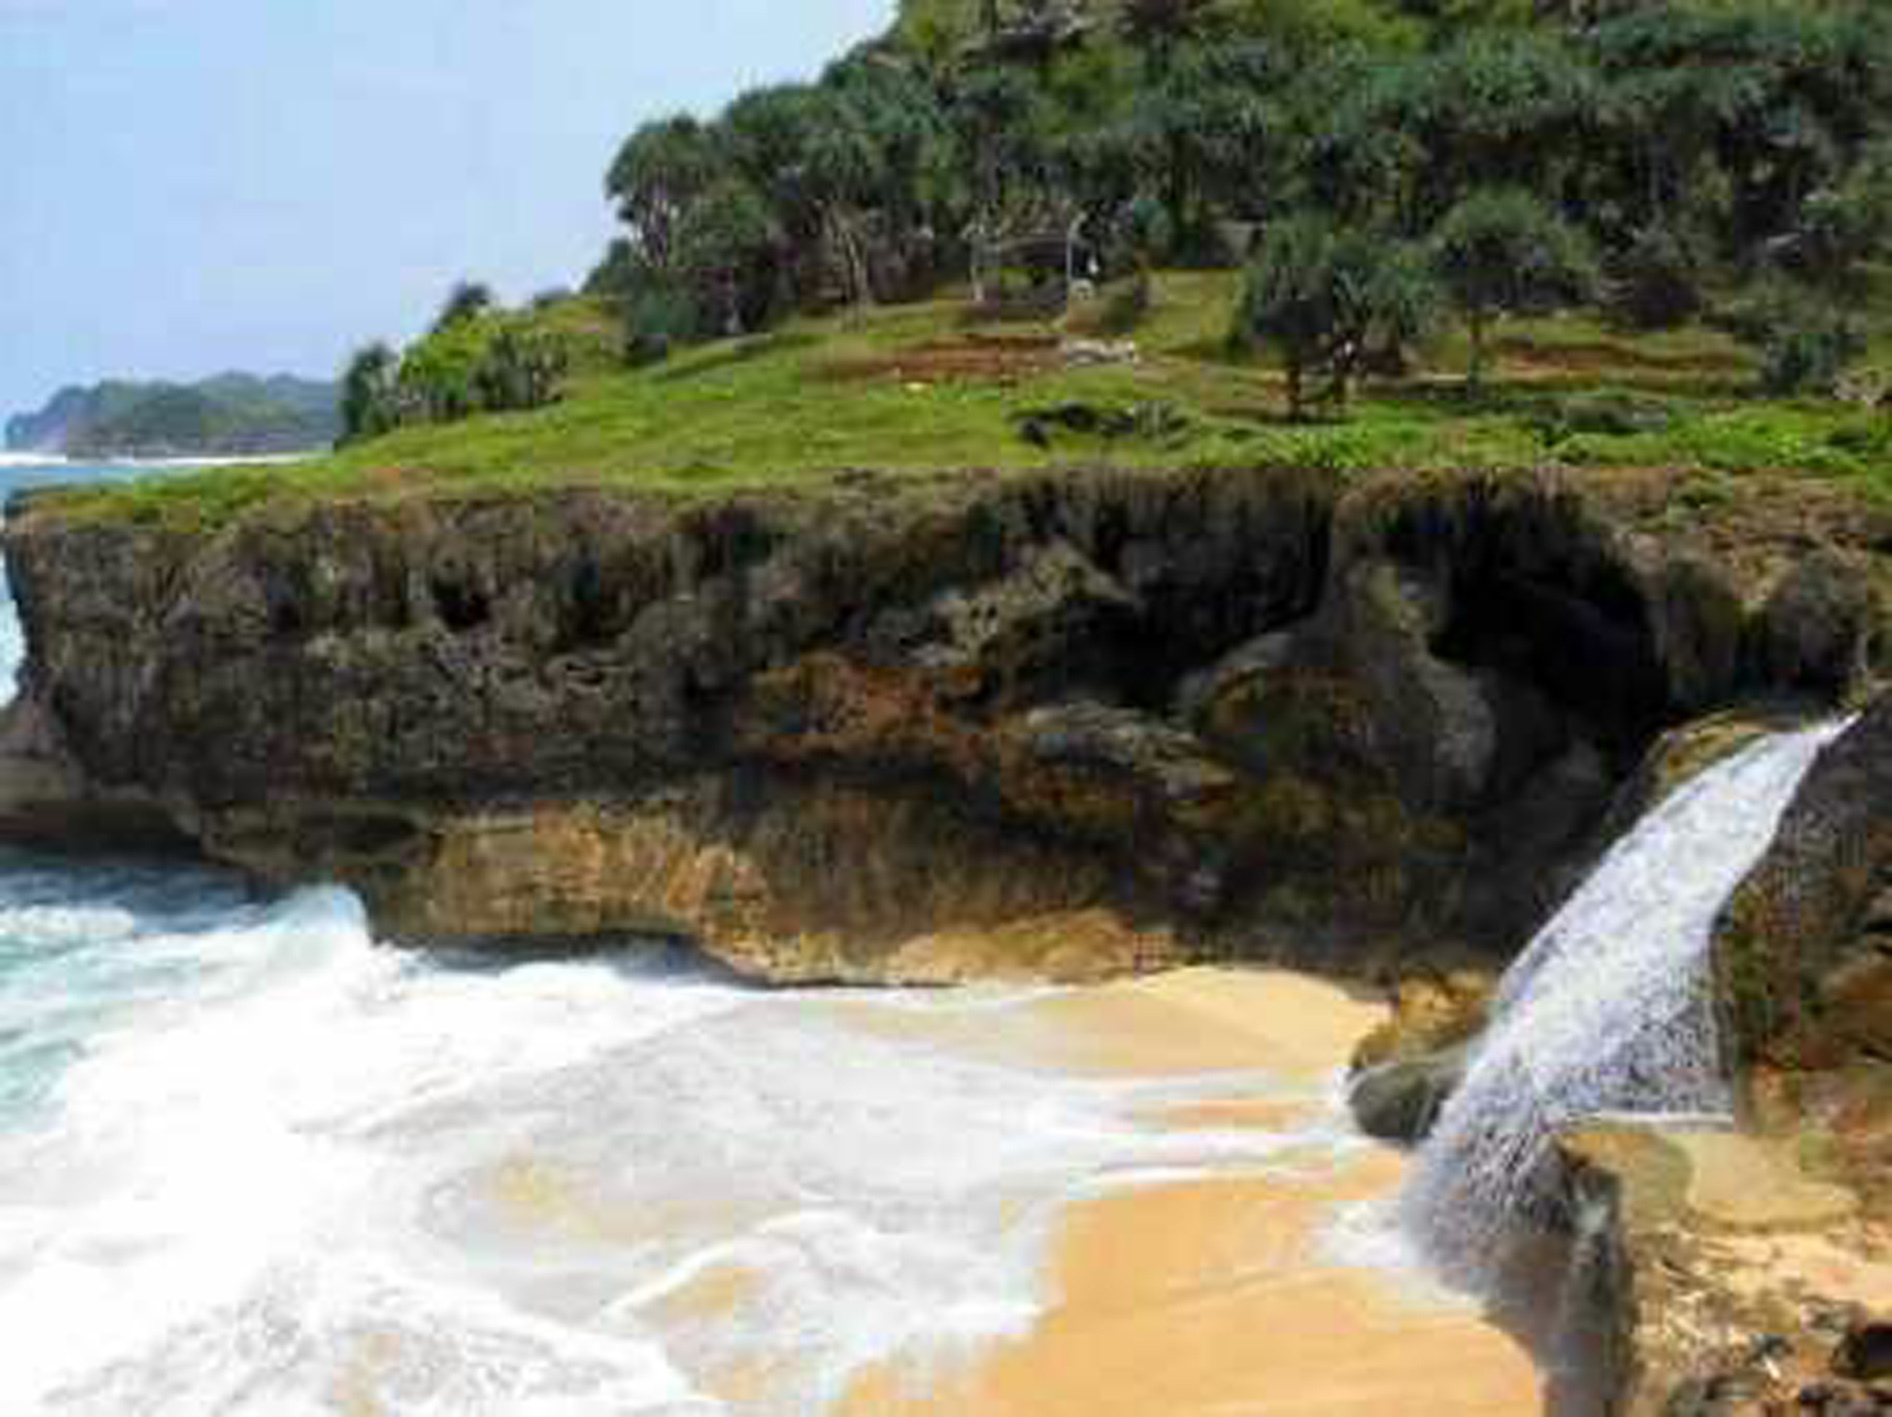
(230, 415)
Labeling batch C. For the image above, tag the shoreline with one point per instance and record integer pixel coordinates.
(1225, 1291)
(209, 460)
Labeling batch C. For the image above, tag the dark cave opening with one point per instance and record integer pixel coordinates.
(1588, 646)
(462, 607)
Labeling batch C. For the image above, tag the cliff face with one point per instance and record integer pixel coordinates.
(916, 728)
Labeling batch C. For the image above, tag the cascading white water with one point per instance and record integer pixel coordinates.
(1608, 1010)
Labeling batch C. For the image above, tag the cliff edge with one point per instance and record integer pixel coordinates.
(910, 728)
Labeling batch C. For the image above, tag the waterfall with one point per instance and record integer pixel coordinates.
(1607, 1011)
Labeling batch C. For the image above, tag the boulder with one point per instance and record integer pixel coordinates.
(1400, 1101)
(1803, 963)
(1865, 1355)
(1816, 631)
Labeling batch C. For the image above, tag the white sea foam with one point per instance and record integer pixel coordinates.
(57, 460)
(287, 1165)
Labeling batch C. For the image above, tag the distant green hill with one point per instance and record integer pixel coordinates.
(231, 415)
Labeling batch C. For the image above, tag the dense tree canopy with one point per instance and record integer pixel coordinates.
(1687, 144)
(478, 358)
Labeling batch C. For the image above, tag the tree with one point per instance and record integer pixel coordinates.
(916, 189)
(1842, 226)
(1159, 27)
(1403, 141)
(466, 301)
(660, 173)
(1656, 280)
(1769, 102)
(1325, 296)
(731, 239)
(1001, 124)
(1200, 133)
(368, 395)
(1504, 252)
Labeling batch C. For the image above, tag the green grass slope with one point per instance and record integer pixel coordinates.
(919, 388)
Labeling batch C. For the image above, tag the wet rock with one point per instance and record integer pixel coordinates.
(1722, 1395)
(1805, 986)
(1865, 1354)
(1827, 1399)
(1400, 1101)
(1431, 1014)
(1222, 698)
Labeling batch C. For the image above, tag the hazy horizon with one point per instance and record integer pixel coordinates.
(201, 186)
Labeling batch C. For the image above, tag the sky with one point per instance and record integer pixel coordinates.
(190, 186)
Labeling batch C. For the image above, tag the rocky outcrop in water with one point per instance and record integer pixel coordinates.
(899, 728)
(1404, 1070)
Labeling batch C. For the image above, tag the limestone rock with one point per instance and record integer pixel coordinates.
(1431, 1014)
(1805, 979)
(1817, 629)
(1240, 711)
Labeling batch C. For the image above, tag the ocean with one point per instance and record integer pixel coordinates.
(253, 1162)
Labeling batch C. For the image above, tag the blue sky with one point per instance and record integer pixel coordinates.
(188, 186)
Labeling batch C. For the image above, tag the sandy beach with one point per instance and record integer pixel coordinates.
(1218, 1294)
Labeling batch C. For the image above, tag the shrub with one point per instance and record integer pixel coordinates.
(1807, 354)
(1613, 413)
(1658, 282)
(1126, 307)
(657, 319)
(1804, 341)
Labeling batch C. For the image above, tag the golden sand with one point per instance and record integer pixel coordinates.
(1210, 1296)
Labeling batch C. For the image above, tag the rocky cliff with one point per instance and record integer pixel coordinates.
(1804, 952)
(914, 728)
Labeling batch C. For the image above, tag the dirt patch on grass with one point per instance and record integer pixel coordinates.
(1604, 357)
(971, 359)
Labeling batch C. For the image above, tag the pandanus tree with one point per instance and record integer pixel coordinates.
(1201, 132)
(466, 301)
(663, 170)
(368, 393)
(1505, 253)
(1160, 27)
(1326, 296)
(1766, 103)
(729, 243)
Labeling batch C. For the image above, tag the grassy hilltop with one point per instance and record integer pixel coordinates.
(1335, 233)
(923, 388)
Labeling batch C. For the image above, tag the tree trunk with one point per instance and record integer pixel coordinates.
(1475, 375)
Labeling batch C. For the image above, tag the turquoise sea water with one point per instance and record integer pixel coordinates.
(252, 1163)
(77, 943)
